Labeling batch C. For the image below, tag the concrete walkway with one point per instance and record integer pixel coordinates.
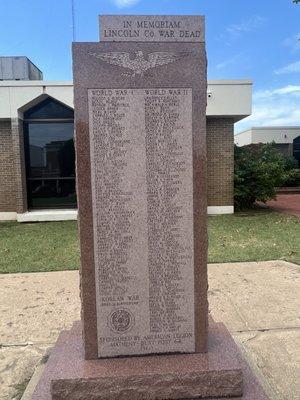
(286, 203)
(259, 303)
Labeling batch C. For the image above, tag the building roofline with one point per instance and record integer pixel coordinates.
(239, 133)
(262, 128)
(276, 127)
(15, 57)
(229, 82)
(10, 83)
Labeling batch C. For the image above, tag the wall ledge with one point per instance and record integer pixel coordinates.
(8, 216)
(216, 210)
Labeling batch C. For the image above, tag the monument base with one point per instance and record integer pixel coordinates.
(221, 372)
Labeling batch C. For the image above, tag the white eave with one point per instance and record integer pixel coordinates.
(225, 98)
(229, 98)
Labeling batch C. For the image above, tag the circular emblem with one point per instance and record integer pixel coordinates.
(121, 321)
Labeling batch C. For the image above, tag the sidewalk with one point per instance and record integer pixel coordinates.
(258, 302)
(286, 203)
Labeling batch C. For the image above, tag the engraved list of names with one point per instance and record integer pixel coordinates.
(142, 189)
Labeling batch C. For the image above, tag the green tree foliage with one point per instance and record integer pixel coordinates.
(259, 169)
(291, 176)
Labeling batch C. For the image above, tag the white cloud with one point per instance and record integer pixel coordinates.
(249, 25)
(274, 107)
(125, 3)
(292, 42)
(230, 61)
(289, 89)
(235, 31)
(289, 69)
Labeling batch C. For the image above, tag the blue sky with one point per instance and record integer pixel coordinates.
(257, 39)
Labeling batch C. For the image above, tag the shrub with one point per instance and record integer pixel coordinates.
(291, 177)
(290, 163)
(291, 172)
(259, 168)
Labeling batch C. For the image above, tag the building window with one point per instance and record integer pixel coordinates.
(50, 156)
(296, 149)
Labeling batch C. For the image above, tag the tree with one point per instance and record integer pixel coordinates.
(296, 1)
(259, 169)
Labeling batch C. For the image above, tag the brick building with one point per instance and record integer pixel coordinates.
(37, 176)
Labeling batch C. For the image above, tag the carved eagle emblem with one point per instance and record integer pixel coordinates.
(139, 64)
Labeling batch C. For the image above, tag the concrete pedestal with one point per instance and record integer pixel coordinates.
(220, 373)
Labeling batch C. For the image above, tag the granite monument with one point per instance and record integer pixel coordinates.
(140, 115)
(142, 188)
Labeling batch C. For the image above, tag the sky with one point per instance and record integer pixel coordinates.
(256, 39)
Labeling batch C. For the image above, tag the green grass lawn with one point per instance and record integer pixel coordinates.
(53, 246)
(254, 236)
(43, 246)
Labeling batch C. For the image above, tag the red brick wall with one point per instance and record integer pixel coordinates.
(7, 171)
(19, 165)
(220, 160)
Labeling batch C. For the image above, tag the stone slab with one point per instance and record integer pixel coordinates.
(217, 373)
(17, 364)
(276, 354)
(36, 307)
(130, 101)
(46, 303)
(239, 296)
(261, 358)
(30, 388)
(152, 28)
(269, 350)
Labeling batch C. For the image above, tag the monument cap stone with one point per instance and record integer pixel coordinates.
(152, 28)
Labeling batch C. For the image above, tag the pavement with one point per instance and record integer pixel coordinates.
(259, 303)
(286, 203)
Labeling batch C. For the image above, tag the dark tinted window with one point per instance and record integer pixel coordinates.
(296, 149)
(51, 149)
(49, 109)
(50, 159)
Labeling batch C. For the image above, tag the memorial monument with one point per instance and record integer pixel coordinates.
(140, 115)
